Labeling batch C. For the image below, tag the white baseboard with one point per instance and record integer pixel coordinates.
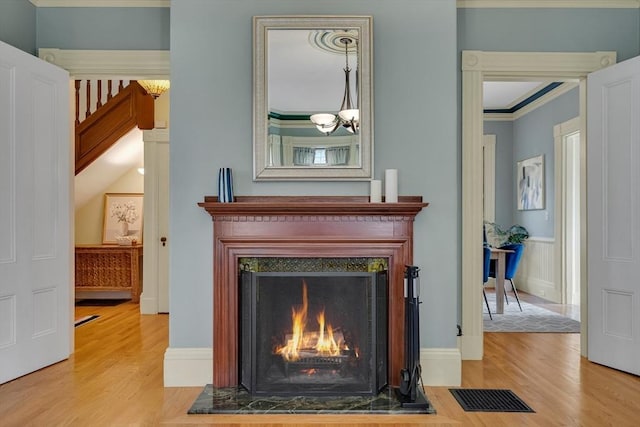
(471, 346)
(441, 366)
(188, 367)
(148, 305)
(193, 367)
(540, 288)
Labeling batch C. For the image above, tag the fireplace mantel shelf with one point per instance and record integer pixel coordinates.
(312, 205)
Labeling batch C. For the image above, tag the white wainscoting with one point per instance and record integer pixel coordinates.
(537, 270)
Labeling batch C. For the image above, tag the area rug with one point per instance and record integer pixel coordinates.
(532, 318)
(489, 400)
(85, 319)
(236, 400)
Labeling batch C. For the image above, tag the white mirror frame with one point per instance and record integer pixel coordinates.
(362, 172)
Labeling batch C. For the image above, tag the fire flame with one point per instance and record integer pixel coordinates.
(323, 342)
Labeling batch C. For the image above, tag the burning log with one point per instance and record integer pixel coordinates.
(302, 344)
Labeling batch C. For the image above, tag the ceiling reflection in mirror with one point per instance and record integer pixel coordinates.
(313, 98)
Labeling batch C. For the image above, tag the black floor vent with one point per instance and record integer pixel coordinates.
(489, 400)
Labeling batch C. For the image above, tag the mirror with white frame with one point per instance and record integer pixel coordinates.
(312, 98)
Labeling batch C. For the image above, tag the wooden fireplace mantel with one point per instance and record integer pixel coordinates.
(314, 205)
(315, 226)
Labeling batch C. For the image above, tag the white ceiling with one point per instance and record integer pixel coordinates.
(504, 95)
(304, 78)
(127, 153)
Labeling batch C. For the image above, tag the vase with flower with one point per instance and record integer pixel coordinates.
(125, 213)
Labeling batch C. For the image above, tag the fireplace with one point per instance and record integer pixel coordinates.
(306, 227)
(313, 333)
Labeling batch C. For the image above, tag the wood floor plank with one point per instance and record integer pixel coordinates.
(115, 377)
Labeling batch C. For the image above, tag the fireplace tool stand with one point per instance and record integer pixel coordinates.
(410, 393)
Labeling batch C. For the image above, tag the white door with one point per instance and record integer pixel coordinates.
(35, 214)
(613, 212)
(155, 294)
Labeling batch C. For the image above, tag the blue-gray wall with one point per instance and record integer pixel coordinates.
(532, 136)
(18, 24)
(415, 132)
(561, 30)
(529, 136)
(129, 28)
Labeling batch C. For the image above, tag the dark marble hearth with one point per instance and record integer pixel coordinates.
(236, 400)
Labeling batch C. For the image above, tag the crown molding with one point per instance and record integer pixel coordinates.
(462, 4)
(539, 4)
(130, 64)
(101, 3)
(544, 99)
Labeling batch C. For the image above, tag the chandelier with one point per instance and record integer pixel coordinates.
(348, 116)
(154, 88)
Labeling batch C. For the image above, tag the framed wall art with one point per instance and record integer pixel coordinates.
(122, 218)
(530, 183)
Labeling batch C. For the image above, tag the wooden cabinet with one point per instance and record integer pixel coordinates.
(109, 268)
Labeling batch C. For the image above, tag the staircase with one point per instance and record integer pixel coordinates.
(107, 117)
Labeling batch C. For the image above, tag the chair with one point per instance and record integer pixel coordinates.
(485, 278)
(512, 260)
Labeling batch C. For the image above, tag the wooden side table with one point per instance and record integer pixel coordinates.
(109, 268)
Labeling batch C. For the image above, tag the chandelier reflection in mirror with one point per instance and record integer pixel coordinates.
(348, 116)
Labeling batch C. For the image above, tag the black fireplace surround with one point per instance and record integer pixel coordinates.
(313, 333)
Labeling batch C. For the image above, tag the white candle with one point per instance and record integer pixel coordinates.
(391, 185)
(376, 191)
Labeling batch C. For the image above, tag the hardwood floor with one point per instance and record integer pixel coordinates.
(115, 379)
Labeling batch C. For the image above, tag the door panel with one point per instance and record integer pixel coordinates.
(613, 183)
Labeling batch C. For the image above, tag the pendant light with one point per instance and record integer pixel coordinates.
(348, 115)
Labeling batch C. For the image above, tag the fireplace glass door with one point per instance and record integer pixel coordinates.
(313, 333)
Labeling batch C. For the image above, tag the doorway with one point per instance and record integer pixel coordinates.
(476, 66)
(149, 64)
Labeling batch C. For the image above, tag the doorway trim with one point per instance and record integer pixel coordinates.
(476, 67)
(135, 65)
(106, 64)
